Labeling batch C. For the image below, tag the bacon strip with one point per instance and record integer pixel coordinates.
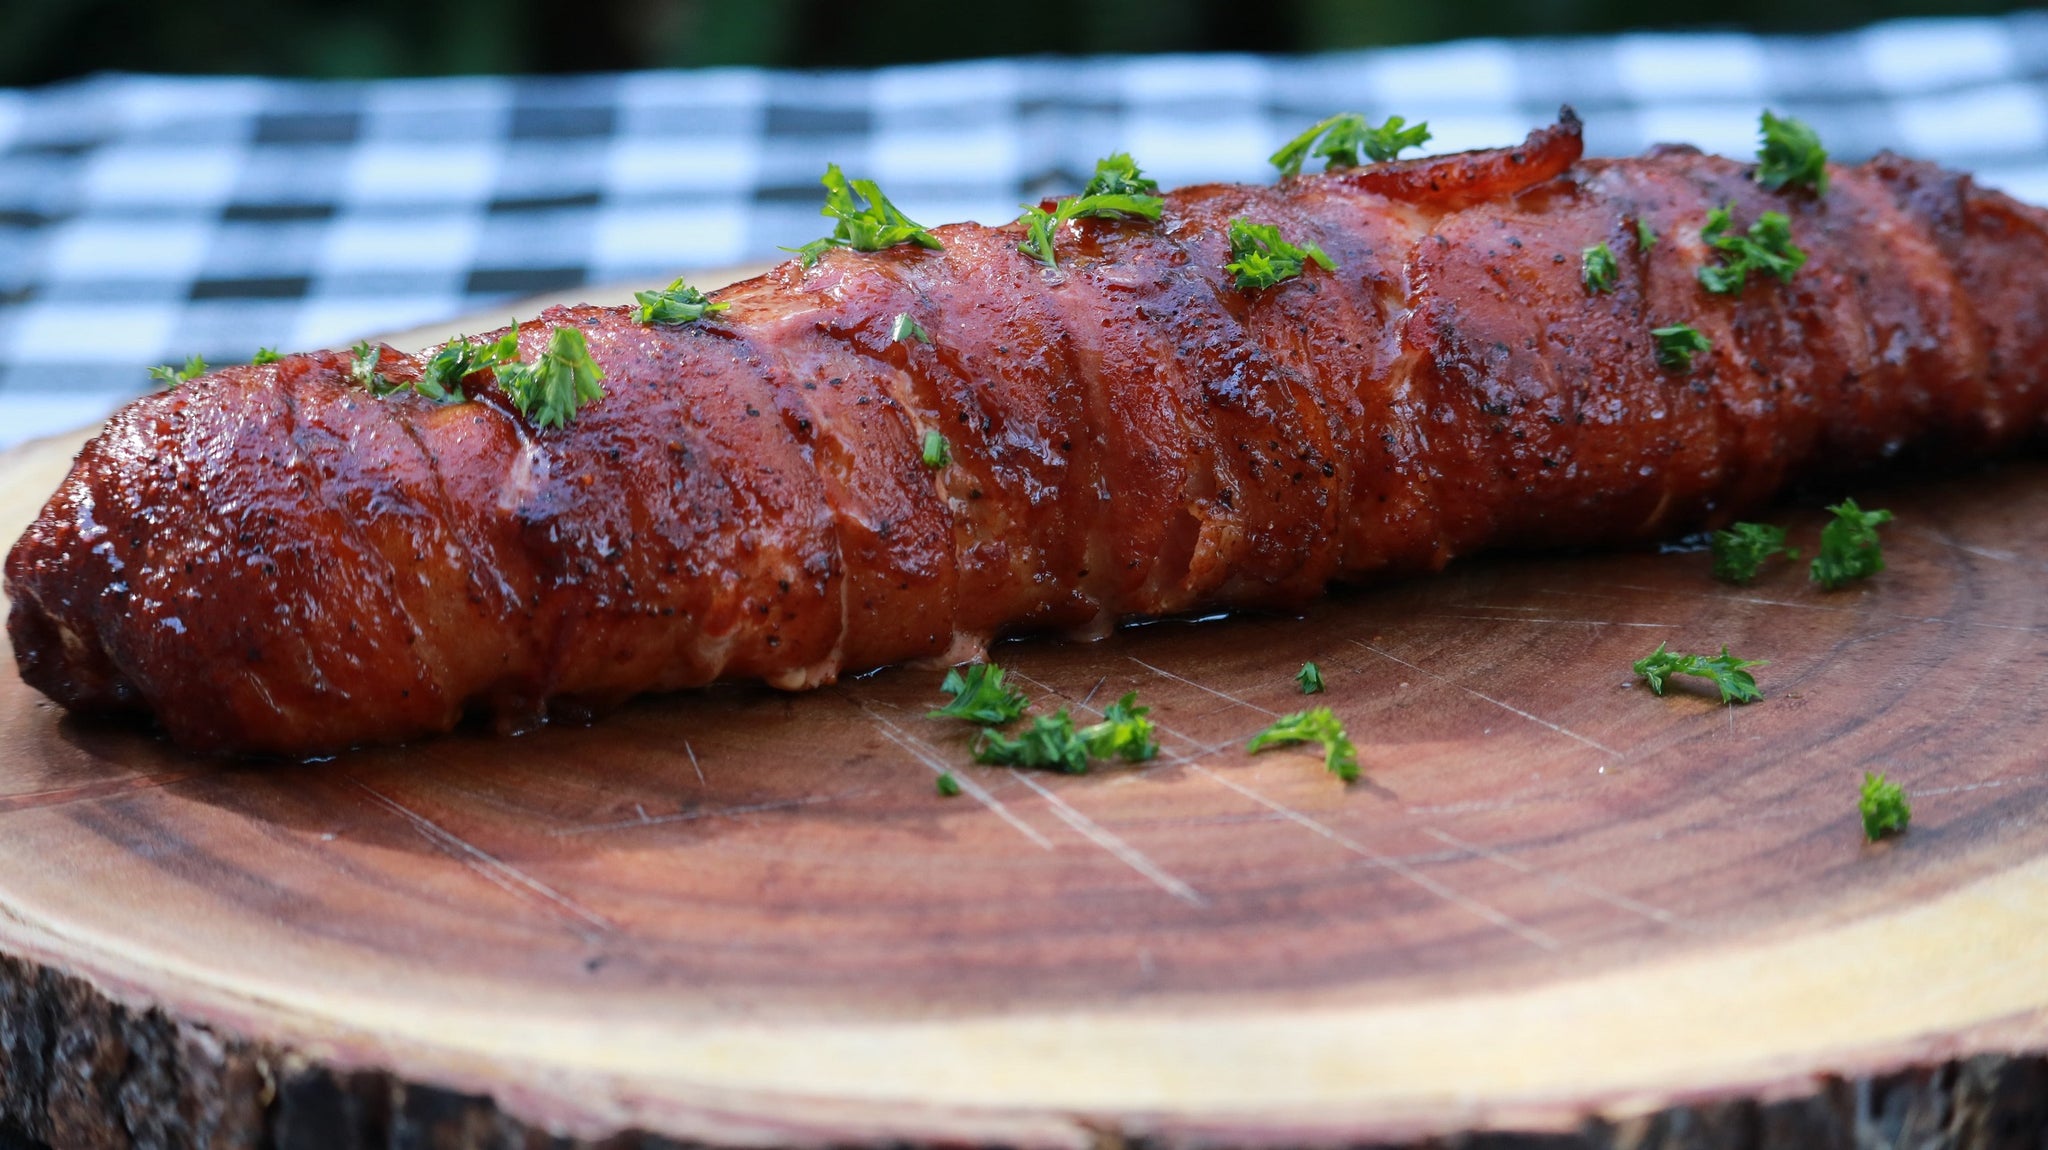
(271, 560)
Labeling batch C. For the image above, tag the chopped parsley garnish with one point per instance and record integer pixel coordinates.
(364, 360)
(169, 377)
(1645, 238)
(676, 303)
(979, 696)
(1261, 257)
(1118, 175)
(1883, 806)
(904, 327)
(1109, 195)
(1849, 549)
(1677, 344)
(552, 390)
(1052, 742)
(266, 355)
(1340, 140)
(1767, 248)
(1790, 156)
(1742, 549)
(1728, 673)
(1316, 725)
(1311, 679)
(1124, 732)
(867, 227)
(936, 451)
(948, 786)
(1049, 743)
(1597, 269)
(442, 375)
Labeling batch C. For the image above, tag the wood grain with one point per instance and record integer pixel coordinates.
(1557, 904)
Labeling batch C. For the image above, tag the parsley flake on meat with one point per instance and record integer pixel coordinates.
(442, 375)
(1767, 248)
(1316, 725)
(1341, 139)
(1849, 549)
(868, 226)
(1790, 156)
(905, 327)
(980, 696)
(266, 355)
(948, 786)
(1729, 674)
(1677, 344)
(1261, 257)
(676, 304)
(1597, 269)
(1117, 191)
(1118, 175)
(551, 391)
(365, 359)
(169, 377)
(935, 451)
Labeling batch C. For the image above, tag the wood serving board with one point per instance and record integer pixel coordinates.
(1556, 903)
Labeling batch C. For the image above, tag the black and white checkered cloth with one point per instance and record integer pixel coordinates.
(146, 218)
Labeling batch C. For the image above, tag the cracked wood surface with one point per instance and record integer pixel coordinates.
(1557, 908)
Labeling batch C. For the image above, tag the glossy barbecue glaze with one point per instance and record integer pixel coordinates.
(270, 559)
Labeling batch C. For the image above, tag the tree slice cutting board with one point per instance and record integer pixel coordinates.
(1556, 903)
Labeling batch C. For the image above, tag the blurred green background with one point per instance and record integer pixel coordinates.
(44, 40)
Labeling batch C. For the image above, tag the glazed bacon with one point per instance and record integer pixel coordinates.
(270, 559)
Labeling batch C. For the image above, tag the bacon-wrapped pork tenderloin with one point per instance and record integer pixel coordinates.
(272, 559)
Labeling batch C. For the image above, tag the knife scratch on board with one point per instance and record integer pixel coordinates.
(917, 749)
(495, 870)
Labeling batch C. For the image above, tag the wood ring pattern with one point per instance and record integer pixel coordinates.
(740, 911)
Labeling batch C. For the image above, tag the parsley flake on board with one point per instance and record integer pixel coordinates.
(1883, 806)
(266, 355)
(553, 389)
(1790, 155)
(1261, 257)
(1311, 679)
(1728, 673)
(864, 227)
(1052, 742)
(676, 304)
(904, 327)
(1767, 248)
(1049, 743)
(1597, 269)
(1340, 139)
(936, 451)
(1124, 732)
(979, 696)
(1677, 344)
(169, 377)
(1316, 725)
(1849, 549)
(1742, 548)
